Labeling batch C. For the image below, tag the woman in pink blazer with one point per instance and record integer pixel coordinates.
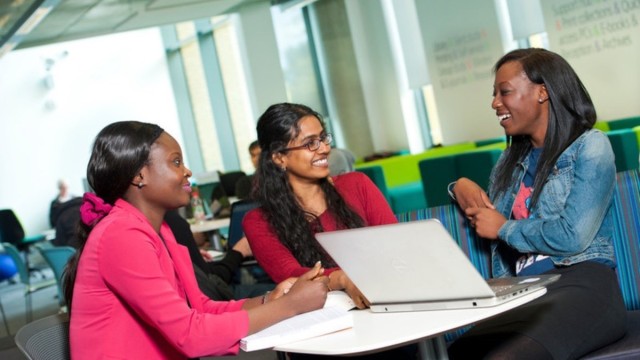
(131, 288)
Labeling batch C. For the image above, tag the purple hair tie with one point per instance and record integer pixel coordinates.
(93, 209)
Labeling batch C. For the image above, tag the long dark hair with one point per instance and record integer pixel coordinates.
(294, 226)
(571, 113)
(119, 152)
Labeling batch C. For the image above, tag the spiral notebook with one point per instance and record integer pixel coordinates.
(414, 266)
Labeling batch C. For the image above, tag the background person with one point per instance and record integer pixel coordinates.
(549, 210)
(341, 161)
(55, 207)
(131, 288)
(254, 151)
(215, 278)
(64, 216)
(244, 184)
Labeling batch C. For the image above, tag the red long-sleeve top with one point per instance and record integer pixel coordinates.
(359, 193)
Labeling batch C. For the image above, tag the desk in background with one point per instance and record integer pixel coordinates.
(212, 227)
(49, 234)
(372, 332)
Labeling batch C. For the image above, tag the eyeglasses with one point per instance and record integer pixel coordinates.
(314, 144)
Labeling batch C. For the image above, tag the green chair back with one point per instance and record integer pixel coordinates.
(437, 173)
(29, 288)
(376, 175)
(626, 123)
(57, 258)
(624, 143)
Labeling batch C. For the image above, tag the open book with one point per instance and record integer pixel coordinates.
(334, 316)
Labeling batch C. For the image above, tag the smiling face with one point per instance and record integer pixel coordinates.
(301, 164)
(165, 178)
(522, 106)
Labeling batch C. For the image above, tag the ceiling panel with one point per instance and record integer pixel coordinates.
(76, 19)
(13, 13)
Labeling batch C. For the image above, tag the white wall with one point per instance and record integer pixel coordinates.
(600, 39)
(462, 40)
(99, 81)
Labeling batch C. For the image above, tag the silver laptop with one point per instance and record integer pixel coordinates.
(414, 266)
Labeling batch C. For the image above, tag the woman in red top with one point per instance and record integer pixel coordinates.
(299, 198)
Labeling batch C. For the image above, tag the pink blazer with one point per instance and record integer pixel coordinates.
(136, 298)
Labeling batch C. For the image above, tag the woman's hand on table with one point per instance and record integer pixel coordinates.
(338, 280)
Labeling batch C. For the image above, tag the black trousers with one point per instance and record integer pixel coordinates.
(580, 312)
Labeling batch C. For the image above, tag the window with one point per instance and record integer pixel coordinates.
(243, 121)
(540, 40)
(432, 114)
(297, 57)
(199, 95)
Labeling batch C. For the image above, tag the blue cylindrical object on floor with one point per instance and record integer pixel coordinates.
(7, 267)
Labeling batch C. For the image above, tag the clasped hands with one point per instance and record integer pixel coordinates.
(478, 209)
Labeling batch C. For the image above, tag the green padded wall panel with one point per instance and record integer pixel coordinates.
(626, 123)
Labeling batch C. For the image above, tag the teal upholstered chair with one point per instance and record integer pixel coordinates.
(11, 232)
(477, 165)
(626, 123)
(495, 140)
(376, 175)
(625, 147)
(57, 257)
(29, 287)
(407, 197)
(437, 173)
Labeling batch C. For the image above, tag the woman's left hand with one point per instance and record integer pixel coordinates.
(357, 296)
(487, 222)
(343, 281)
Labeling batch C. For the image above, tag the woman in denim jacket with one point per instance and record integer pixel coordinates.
(549, 211)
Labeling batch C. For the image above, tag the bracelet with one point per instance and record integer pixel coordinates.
(450, 190)
(264, 297)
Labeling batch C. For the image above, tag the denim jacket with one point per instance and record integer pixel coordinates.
(573, 218)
